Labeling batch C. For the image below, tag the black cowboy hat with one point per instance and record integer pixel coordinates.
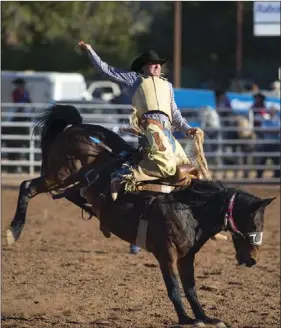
(18, 80)
(149, 56)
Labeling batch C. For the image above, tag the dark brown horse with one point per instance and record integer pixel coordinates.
(179, 223)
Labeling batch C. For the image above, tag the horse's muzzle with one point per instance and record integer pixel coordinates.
(249, 262)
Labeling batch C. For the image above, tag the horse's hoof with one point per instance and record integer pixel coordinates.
(195, 323)
(199, 324)
(215, 322)
(13, 234)
(10, 237)
(106, 232)
(221, 325)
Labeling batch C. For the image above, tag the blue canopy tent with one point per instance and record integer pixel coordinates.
(195, 99)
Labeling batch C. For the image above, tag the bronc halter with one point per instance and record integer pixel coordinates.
(254, 238)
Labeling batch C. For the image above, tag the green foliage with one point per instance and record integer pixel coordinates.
(45, 34)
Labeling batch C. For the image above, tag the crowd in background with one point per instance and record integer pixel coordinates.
(262, 135)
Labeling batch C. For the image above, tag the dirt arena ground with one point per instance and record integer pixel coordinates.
(64, 273)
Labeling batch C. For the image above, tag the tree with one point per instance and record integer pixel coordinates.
(44, 35)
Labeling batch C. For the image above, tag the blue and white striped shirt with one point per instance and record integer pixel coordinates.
(132, 80)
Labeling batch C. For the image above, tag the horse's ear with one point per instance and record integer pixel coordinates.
(262, 203)
(265, 202)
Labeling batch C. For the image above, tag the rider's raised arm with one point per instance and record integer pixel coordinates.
(178, 121)
(114, 74)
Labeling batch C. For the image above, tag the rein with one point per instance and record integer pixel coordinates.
(228, 218)
(255, 238)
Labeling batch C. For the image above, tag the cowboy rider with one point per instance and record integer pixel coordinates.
(155, 111)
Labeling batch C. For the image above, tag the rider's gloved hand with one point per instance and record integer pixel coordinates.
(84, 46)
(191, 132)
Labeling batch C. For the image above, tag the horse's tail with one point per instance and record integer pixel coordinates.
(53, 121)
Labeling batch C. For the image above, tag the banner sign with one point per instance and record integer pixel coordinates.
(266, 18)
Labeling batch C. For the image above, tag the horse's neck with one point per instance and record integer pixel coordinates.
(108, 137)
(210, 214)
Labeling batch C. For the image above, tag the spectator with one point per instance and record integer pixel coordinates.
(223, 105)
(209, 118)
(259, 108)
(276, 88)
(272, 122)
(224, 110)
(20, 94)
(259, 112)
(227, 120)
(255, 88)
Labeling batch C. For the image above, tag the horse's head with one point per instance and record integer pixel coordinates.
(245, 220)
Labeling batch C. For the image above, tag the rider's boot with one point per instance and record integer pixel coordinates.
(116, 181)
(105, 230)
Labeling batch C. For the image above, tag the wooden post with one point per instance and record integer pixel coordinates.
(239, 39)
(177, 44)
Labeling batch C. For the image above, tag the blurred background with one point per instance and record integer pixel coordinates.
(224, 62)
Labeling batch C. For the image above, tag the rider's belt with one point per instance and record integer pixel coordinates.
(156, 188)
(163, 126)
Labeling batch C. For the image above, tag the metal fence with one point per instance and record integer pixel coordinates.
(234, 160)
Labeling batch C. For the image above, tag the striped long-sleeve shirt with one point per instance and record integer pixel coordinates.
(132, 80)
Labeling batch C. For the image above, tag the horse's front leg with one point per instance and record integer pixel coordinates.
(186, 272)
(173, 289)
(28, 189)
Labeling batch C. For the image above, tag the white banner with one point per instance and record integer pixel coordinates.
(266, 18)
(266, 12)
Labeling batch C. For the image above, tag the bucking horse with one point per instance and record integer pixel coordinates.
(81, 157)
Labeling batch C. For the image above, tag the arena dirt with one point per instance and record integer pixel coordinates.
(64, 273)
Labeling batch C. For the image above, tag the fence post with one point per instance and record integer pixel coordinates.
(31, 152)
(220, 149)
(251, 118)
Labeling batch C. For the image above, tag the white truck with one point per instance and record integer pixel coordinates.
(45, 87)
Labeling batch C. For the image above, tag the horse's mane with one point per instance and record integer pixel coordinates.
(52, 121)
(208, 195)
(55, 119)
(203, 192)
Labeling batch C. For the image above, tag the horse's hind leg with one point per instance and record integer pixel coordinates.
(169, 275)
(186, 272)
(28, 189)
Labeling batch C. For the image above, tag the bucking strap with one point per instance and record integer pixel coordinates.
(156, 188)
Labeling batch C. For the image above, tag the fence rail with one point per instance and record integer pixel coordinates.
(233, 160)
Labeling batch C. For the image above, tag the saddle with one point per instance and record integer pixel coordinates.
(183, 177)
